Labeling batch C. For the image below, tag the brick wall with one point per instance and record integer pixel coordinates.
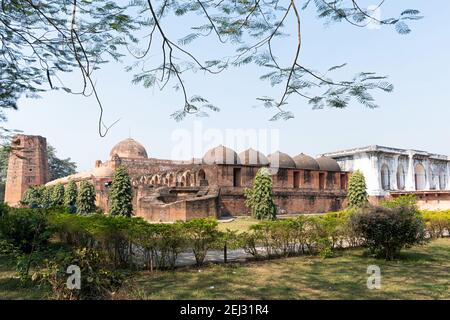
(27, 166)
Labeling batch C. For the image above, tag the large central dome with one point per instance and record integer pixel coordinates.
(129, 148)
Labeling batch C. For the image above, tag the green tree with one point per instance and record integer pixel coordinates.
(260, 197)
(121, 194)
(46, 199)
(58, 195)
(71, 194)
(4, 157)
(32, 197)
(58, 168)
(40, 41)
(86, 198)
(357, 190)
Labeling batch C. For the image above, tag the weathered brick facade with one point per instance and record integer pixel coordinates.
(27, 166)
(166, 190)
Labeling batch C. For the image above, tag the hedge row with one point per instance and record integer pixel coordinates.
(437, 223)
(135, 243)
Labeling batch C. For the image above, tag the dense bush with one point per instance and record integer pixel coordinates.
(388, 230)
(25, 229)
(201, 234)
(402, 201)
(121, 238)
(32, 197)
(437, 223)
(301, 235)
(97, 280)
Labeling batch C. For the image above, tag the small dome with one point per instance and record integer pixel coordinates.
(280, 159)
(102, 172)
(303, 161)
(129, 148)
(328, 164)
(221, 155)
(253, 157)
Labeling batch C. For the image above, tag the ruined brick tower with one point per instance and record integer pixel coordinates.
(27, 166)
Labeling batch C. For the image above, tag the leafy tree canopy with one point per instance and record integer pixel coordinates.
(57, 167)
(40, 40)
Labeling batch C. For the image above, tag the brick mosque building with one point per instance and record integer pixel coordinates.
(168, 190)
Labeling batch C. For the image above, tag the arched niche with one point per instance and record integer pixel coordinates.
(400, 177)
(420, 177)
(385, 177)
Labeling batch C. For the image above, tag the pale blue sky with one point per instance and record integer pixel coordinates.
(416, 115)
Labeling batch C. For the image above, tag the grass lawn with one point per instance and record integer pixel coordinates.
(243, 223)
(239, 224)
(423, 273)
(10, 286)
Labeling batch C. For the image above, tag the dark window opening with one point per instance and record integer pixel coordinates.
(236, 177)
(307, 176)
(330, 179)
(343, 182)
(296, 179)
(321, 181)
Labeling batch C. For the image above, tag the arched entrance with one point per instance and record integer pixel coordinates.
(420, 177)
(442, 181)
(385, 178)
(400, 177)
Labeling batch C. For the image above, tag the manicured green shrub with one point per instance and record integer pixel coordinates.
(201, 234)
(388, 230)
(437, 223)
(57, 196)
(290, 237)
(168, 241)
(249, 242)
(260, 197)
(402, 201)
(121, 194)
(338, 227)
(70, 195)
(119, 237)
(86, 198)
(46, 198)
(357, 190)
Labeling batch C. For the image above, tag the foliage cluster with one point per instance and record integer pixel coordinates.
(388, 229)
(260, 197)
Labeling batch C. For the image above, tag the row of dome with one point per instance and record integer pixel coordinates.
(224, 155)
(130, 148)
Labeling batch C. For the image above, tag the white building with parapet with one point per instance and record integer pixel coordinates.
(392, 171)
